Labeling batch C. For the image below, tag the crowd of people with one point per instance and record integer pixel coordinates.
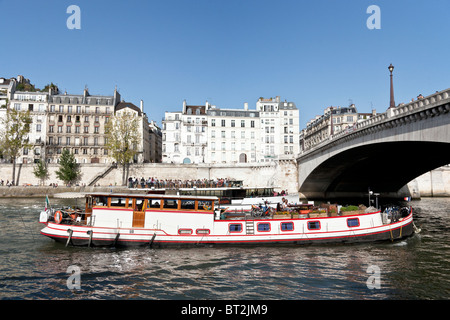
(153, 182)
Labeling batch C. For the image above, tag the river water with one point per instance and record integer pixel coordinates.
(33, 267)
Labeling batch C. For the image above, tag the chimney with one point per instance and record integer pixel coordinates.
(142, 106)
(245, 106)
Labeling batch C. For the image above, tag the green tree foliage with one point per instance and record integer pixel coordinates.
(40, 171)
(48, 86)
(68, 171)
(123, 137)
(14, 135)
(25, 87)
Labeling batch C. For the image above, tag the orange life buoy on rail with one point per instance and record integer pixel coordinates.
(58, 217)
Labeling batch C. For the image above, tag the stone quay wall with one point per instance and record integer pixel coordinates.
(281, 175)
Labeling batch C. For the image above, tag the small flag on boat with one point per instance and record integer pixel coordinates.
(407, 198)
(47, 203)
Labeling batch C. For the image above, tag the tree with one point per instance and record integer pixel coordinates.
(14, 135)
(40, 171)
(49, 86)
(68, 171)
(122, 135)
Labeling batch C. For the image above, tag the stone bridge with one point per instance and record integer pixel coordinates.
(382, 153)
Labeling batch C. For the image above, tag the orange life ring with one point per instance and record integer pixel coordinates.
(58, 217)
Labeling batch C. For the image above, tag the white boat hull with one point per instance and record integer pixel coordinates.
(332, 230)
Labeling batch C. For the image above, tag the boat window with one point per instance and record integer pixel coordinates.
(139, 204)
(184, 231)
(154, 203)
(188, 204)
(263, 226)
(313, 225)
(99, 201)
(353, 222)
(170, 204)
(204, 205)
(202, 231)
(287, 226)
(118, 202)
(235, 227)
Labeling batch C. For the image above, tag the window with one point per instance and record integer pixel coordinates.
(184, 231)
(170, 204)
(353, 222)
(202, 231)
(188, 204)
(287, 226)
(263, 227)
(118, 202)
(204, 205)
(139, 204)
(313, 225)
(235, 227)
(223, 123)
(242, 123)
(154, 203)
(100, 201)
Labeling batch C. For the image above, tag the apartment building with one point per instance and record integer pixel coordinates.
(333, 121)
(36, 103)
(77, 123)
(208, 134)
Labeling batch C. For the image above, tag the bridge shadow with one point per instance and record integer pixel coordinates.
(383, 167)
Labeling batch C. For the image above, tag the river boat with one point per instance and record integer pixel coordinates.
(161, 220)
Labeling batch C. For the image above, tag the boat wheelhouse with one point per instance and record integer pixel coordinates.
(121, 219)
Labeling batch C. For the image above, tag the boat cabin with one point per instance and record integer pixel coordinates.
(145, 210)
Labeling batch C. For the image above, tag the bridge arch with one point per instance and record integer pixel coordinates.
(382, 167)
(383, 153)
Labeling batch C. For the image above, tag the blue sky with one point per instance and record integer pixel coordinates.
(314, 53)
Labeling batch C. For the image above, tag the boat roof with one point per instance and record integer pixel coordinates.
(149, 195)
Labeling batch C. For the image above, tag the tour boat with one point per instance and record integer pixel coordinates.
(160, 220)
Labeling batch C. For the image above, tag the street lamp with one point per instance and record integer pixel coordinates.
(392, 102)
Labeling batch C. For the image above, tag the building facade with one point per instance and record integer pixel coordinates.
(333, 121)
(36, 103)
(77, 123)
(208, 134)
